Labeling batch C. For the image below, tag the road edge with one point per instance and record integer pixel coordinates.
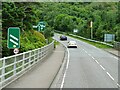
(56, 83)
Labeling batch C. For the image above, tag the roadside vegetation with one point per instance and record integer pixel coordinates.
(61, 16)
(96, 44)
(24, 15)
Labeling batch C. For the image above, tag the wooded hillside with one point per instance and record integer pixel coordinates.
(63, 17)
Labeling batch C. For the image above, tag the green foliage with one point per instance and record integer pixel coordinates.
(31, 40)
(68, 16)
(28, 41)
(48, 32)
(62, 17)
(99, 45)
(5, 50)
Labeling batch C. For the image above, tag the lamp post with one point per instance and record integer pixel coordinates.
(91, 29)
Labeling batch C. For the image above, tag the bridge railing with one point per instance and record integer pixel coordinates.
(13, 67)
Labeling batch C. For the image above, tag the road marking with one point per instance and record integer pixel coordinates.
(102, 67)
(96, 61)
(63, 80)
(110, 76)
(89, 55)
(115, 57)
(85, 51)
(93, 58)
(68, 58)
(118, 85)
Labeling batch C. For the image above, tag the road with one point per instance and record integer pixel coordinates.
(89, 67)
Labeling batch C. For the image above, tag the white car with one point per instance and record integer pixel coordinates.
(72, 44)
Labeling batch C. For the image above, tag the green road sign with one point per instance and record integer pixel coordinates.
(13, 37)
(41, 26)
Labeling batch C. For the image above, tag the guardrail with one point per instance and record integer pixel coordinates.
(86, 38)
(13, 67)
(92, 40)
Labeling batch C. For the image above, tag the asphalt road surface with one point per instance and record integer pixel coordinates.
(89, 67)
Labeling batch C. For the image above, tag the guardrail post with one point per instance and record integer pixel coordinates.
(23, 62)
(30, 58)
(37, 55)
(15, 66)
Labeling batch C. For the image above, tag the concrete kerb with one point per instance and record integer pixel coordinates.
(113, 53)
(56, 83)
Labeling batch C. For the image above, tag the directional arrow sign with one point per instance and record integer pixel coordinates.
(13, 37)
(41, 26)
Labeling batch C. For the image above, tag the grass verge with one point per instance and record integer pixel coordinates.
(99, 45)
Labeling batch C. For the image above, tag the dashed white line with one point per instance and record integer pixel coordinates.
(89, 55)
(102, 67)
(118, 85)
(115, 57)
(93, 58)
(110, 76)
(96, 61)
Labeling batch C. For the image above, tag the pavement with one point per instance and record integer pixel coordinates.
(113, 51)
(43, 74)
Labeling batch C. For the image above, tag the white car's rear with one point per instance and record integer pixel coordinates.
(72, 44)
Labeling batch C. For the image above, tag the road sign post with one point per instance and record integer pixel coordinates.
(91, 25)
(13, 37)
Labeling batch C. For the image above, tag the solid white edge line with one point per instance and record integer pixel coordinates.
(110, 76)
(68, 58)
(102, 67)
(63, 80)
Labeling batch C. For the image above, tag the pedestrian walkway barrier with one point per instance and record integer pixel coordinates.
(13, 67)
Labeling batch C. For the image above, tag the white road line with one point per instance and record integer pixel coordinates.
(102, 67)
(63, 80)
(89, 55)
(93, 58)
(115, 57)
(68, 58)
(85, 51)
(96, 61)
(118, 85)
(110, 76)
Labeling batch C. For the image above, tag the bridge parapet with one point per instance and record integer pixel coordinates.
(13, 67)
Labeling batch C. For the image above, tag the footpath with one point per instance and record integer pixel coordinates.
(43, 74)
(113, 51)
